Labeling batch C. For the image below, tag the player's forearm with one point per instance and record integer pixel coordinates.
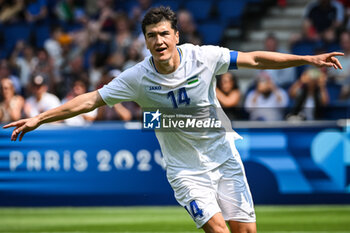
(80, 104)
(270, 60)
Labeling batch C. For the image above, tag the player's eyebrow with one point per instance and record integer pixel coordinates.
(165, 32)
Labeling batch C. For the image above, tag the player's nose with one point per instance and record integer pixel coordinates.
(159, 40)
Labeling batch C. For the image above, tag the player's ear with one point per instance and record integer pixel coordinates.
(177, 35)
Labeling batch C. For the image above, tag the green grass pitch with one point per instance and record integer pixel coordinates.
(270, 219)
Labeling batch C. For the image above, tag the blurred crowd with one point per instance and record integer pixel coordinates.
(91, 42)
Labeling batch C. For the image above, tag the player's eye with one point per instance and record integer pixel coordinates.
(165, 33)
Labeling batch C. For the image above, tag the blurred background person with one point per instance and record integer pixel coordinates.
(310, 94)
(125, 111)
(133, 54)
(36, 11)
(10, 10)
(11, 105)
(40, 100)
(79, 87)
(229, 95)
(45, 66)
(267, 102)
(24, 59)
(321, 16)
(5, 72)
(187, 28)
(284, 77)
(342, 77)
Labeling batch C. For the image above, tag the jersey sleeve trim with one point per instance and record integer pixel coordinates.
(233, 60)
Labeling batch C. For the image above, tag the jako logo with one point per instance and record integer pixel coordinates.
(155, 88)
(151, 120)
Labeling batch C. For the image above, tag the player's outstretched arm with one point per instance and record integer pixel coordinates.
(274, 60)
(80, 104)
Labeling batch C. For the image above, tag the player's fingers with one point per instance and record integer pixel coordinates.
(21, 136)
(10, 125)
(14, 133)
(327, 64)
(15, 124)
(337, 63)
(336, 54)
(17, 132)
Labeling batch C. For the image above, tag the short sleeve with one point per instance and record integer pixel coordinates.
(121, 88)
(221, 59)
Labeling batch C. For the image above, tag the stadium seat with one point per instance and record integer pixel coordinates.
(126, 5)
(211, 32)
(200, 9)
(42, 33)
(13, 33)
(333, 92)
(231, 11)
(173, 4)
(253, 1)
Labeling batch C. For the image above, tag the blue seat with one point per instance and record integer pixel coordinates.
(13, 33)
(333, 92)
(231, 11)
(173, 4)
(200, 9)
(42, 33)
(211, 32)
(126, 5)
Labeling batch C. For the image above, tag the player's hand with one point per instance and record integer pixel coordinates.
(22, 127)
(327, 60)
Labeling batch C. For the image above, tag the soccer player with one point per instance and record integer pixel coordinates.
(203, 168)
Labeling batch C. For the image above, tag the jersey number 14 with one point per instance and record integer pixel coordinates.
(182, 97)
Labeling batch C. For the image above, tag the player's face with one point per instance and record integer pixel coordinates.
(161, 40)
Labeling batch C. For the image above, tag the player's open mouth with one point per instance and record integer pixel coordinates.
(160, 50)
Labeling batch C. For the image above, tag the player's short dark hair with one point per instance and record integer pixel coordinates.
(158, 14)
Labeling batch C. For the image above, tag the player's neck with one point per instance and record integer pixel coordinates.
(169, 66)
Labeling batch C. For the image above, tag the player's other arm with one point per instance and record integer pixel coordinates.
(274, 60)
(80, 104)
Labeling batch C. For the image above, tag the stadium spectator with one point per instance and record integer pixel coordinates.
(5, 72)
(45, 66)
(321, 16)
(103, 27)
(123, 36)
(41, 100)
(79, 88)
(71, 12)
(54, 49)
(73, 71)
(10, 10)
(229, 95)
(11, 105)
(133, 54)
(267, 102)
(188, 28)
(24, 59)
(36, 11)
(137, 13)
(310, 95)
(284, 77)
(343, 77)
(346, 6)
(125, 111)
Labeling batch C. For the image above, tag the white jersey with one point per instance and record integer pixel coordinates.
(47, 102)
(184, 151)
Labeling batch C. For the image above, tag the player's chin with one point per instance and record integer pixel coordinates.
(162, 58)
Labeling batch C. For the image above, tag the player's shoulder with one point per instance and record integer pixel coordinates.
(201, 52)
(136, 71)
